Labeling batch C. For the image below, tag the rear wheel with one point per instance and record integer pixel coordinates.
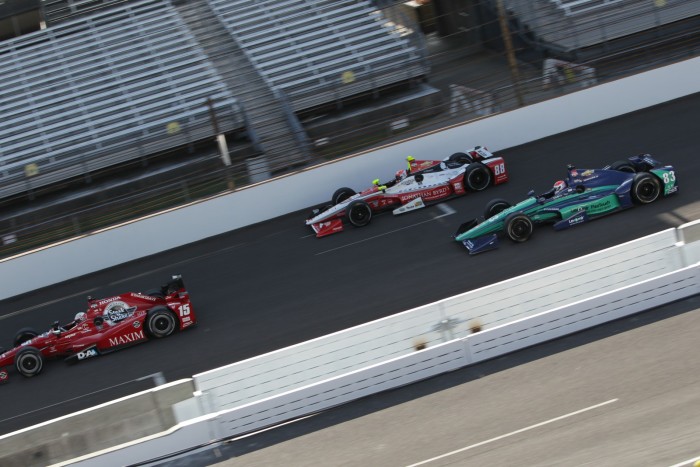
(461, 158)
(23, 335)
(518, 227)
(494, 207)
(359, 213)
(155, 293)
(646, 188)
(29, 362)
(477, 177)
(160, 322)
(623, 166)
(342, 194)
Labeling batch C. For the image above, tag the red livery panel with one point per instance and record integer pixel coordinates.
(107, 325)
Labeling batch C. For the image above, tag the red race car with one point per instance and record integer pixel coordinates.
(423, 182)
(108, 324)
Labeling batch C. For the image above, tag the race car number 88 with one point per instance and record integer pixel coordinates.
(499, 169)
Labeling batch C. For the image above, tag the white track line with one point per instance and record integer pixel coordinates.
(512, 433)
(448, 211)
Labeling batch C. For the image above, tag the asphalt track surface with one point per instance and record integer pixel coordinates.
(273, 284)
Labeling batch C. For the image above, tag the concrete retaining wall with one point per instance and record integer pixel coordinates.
(126, 419)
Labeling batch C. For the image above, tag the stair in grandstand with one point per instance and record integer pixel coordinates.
(271, 123)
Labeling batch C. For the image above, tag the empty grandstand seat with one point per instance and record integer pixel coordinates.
(101, 90)
(573, 7)
(302, 47)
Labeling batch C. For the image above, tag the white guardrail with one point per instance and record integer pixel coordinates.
(380, 355)
(134, 240)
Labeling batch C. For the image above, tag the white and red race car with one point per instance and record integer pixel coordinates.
(424, 182)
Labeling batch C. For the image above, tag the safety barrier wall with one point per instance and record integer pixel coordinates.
(300, 402)
(584, 314)
(197, 221)
(418, 365)
(145, 413)
(328, 356)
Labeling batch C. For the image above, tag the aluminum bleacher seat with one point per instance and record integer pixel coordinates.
(101, 90)
(574, 7)
(576, 24)
(316, 51)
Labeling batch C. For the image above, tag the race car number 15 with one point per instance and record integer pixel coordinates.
(184, 310)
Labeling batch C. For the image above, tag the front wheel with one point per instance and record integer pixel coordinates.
(495, 206)
(359, 213)
(477, 177)
(518, 227)
(646, 188)
(160, 322)
(29, 362)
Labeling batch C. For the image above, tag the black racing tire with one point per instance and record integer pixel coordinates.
(359, 213)
(341, 194)
(646, 188)
(623, 166)
(518, 227)
(161, 322)
(23, 335)
(461, 158)
(477, 177)
(495, 206)
(29, 361)
(158, 293)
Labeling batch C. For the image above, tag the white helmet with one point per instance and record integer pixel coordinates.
(80, 317)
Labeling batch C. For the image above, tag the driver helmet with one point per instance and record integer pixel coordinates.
(559, 185)
(81, 316)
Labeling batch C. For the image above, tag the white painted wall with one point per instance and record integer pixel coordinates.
(200, 220)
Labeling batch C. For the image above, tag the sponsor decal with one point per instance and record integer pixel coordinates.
(117, 311)
(104, 301)
(599, 205)
(587, 173)
(3, 375)
(426, 194)
(144, 297)
(186, 319)
(126, 338)
(87, 354)
(137, 324)
(576, 220)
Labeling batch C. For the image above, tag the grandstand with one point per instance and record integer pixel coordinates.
(110, 81)
(569, 27)
(101, 90)
(318, 51)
